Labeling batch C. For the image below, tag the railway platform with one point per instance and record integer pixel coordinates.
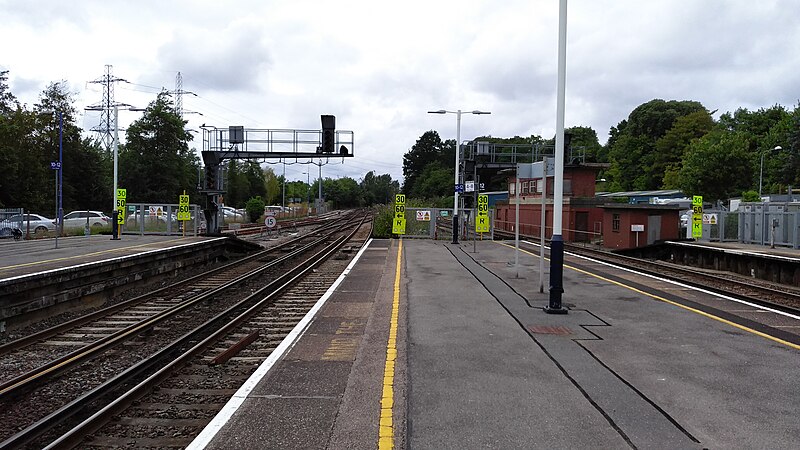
(38, 279)
(426, 344)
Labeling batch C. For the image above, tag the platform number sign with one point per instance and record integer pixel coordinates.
(482, 218)
(122, 194)
(183, 208)
(399, 222)
(697, 216)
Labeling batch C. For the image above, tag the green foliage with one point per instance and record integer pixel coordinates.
(382, 221)
(244, 180)
(717, 166)
(29, 141)
(434, 181)
(378, 189)
(638, 161)
(428, 149)
(156, 164)
(255, 208)
(342, 192)
(273, 188)
(671, 148)
(750, 196)
(586, 137)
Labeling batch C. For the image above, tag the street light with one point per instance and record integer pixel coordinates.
(458, 150)
(761, 171)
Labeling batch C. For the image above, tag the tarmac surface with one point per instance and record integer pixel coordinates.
(637, 363)
(18, 258)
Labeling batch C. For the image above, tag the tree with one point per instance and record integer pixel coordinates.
(428, 149)
(87, 168)
(671, 148)
(435, 181)
(378, 189)
(586, 137)
(156, 164)
(255, 208)
(635, 162)
(342, 192)
(272, 186)
(717, 166)
(8, 103)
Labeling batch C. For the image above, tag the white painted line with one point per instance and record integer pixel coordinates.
(97, 263)
(216, 424)
(676, 283)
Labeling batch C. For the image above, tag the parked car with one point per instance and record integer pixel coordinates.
(232, 214)
(77, 219)
(38, 224)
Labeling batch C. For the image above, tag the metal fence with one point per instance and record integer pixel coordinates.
(437, 223)
(10, 219)
(774, 227)
(143, 218)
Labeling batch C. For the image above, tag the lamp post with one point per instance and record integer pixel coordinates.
(557, 242)
(761, 171)
(456, 223)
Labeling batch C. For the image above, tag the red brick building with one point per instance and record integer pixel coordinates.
(631, 226)
(582, 219)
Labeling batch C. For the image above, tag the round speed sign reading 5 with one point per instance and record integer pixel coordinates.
(270, 221)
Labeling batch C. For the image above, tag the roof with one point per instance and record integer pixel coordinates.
(640, 206)
(661, 193)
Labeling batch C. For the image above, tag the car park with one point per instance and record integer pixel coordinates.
(78, 219)
(34, 223)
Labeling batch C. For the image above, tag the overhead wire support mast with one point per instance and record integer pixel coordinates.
(106, 108)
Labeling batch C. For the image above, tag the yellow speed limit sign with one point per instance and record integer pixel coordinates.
(121, 203)
(482, 218)
(183, 208)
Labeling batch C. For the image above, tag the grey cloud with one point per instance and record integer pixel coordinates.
(232, 59)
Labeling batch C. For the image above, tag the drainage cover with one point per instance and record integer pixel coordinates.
(546, 329)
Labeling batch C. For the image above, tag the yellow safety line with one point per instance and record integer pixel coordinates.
(76, 256)
(386, 429)
(688, 308)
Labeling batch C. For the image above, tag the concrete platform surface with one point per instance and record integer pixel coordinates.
(480, 365)
(18, 258)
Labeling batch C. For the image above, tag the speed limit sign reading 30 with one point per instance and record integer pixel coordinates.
(270, 221)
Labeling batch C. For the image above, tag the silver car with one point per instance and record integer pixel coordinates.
(78, 219)
(36, 223)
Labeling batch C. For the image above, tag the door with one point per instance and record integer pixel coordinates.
(581, 226)
(653, 229)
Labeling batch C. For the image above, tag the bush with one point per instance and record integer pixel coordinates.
(255, 208)
(382, 222)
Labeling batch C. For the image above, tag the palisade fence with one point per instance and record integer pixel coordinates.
(143, 218)
(437, 223)
(769, 225)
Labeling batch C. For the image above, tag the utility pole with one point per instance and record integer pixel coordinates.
(106, 108)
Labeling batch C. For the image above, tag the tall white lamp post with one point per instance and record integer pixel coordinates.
(456, 223)
(557, 242)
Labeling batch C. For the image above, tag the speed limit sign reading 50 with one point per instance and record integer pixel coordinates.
(270, 221)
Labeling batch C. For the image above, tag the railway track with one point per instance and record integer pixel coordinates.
(779, 297)
(126, 358)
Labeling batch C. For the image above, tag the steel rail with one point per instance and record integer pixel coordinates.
(20, 384)
(120, 402)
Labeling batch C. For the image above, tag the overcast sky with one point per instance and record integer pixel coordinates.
(380, 66)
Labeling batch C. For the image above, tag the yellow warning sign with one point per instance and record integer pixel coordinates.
(399, 226)
(697, 216)
(183, 208)
(482, 219)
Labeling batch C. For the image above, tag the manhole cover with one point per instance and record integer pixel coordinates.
(546, 329)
